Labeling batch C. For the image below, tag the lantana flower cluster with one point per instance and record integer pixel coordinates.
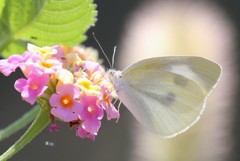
(71, 82)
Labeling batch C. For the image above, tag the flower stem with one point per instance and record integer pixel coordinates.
(41, 121)
(19, 124)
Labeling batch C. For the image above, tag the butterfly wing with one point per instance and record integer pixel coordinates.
(167, 95)
(202, 71)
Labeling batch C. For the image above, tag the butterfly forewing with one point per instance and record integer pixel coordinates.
(200, 70)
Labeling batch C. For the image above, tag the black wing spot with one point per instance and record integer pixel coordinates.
(180, 81)
(168, 99)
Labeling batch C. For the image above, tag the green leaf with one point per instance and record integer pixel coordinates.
(19, 123)
(44, 23)
(40, 122)
(2, 3)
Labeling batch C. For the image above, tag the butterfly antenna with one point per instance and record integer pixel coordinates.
(102, 49)
(113, 57)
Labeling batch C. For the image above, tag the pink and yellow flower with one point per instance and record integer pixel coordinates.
(64, 104)
(88, 87)
(7, 66)
(49, 66)
(91, 114)
(33, 87)
(45, 52)
(71, 81)
(105, 101)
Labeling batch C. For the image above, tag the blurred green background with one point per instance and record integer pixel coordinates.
(146, 28)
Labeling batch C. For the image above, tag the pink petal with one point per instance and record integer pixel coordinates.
(6, 68)
(64, 114)
(54, 127)
(44, 79)
(25, 86)
(55, 100)
(112, 113)
(84, 134)
(60, 52)
(28, 97)
(69, 89)
(91, 67)
(20, 84)
(91, 125)
(15, 59)
(77, 107)
(36, 93)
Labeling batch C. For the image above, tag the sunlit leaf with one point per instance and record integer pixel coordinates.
(44, 22)
(2, 3)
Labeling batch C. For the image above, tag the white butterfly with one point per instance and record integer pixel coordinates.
(166, 94)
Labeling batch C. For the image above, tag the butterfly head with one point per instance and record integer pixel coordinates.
(115, 77)
(114, 74)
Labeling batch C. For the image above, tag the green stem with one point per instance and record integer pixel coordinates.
(41, 121)
(19, 124)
